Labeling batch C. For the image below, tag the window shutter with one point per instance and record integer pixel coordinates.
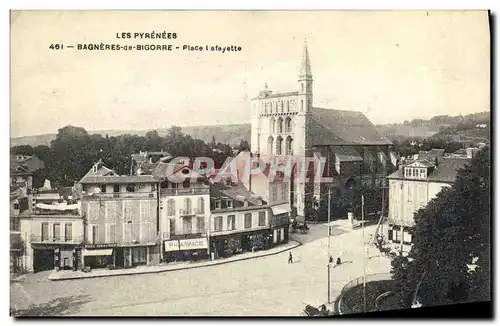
(390, 235)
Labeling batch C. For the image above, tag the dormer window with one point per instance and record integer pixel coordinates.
(103, 188)
(217, 204)
(229, 203)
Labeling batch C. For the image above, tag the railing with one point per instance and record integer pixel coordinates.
(137, 194)
(35, 238)
(404, 222)
(185, 191)
(47, 212)
(187, 234)
(358, 281)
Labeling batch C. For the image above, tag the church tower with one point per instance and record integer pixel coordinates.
(302, 136)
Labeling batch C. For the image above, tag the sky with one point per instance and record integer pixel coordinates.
(391, 65)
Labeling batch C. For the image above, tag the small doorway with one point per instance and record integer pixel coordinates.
(43, 260)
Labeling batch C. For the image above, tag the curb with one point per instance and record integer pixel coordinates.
(180, 268)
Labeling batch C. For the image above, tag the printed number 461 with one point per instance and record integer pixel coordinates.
(56, 46)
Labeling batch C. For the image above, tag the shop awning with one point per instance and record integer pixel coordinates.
(281, 209)
(97, 252)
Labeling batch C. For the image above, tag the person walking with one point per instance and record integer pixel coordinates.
(290, 258)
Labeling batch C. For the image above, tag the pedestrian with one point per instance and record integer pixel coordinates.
(339, 261)
(290, 258)
(330, 260)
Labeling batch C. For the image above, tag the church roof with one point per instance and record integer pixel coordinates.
(341, 127)
(305, 68)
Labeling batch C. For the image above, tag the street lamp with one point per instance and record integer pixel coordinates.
(328, 239)
(364, 250)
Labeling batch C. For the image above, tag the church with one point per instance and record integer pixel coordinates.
(288, 124)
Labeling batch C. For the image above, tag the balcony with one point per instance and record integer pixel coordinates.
(185, 191)
(193, 212)
(185, 234)
(35, 238)
(405, 222)
(111, 195)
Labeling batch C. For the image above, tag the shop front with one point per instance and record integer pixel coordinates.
(98, 256)
(280, 224)
(47, 257)
(227, 245)
(185, 249)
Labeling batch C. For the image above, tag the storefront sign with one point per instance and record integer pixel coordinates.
(186, 244)
(190, 244)
(172, 245)
(100, 245)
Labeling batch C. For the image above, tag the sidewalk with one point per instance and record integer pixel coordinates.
(74, 275)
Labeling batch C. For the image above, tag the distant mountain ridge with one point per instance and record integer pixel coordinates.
(226, 134)
(456, 127)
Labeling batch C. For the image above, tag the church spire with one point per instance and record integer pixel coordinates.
(305, 68)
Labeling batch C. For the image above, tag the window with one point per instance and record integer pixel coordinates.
(410, 193)
(103, 188)
(201, 205)
(423, 173)
(279, 122)
(231, 222)
(279, 145)
(271, 125)
(274, 193)
(56, 231)
(45, 231)
(116, 188)
(200, 224)
(112, 233)
(95, 235)
(302, 105)
(302, 87)
(68, 232)
(187, 225)
(130, 188)
(262, 218)
(229, 203)
(171, 207)
(284, 193)
(187, 206)
(218, 223)
(248, 220)
(16, 205)
(217, 204)
(172, 226)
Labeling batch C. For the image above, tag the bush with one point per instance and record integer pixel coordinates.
(352, 301)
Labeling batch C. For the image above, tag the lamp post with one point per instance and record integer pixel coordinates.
(328, 239)
(364, 251)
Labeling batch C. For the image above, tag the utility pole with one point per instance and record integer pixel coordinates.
(402, 213)
(364, 251)
(328, 239)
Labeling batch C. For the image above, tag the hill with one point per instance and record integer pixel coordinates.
(454, 127)
(226, 134)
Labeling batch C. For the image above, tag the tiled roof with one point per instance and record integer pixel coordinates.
(347, 154)
(118, 179)
(164, 170)
(234, 191)
(445, 171)
(341, 127)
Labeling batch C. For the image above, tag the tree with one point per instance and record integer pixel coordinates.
(450, 234)
(244, 146)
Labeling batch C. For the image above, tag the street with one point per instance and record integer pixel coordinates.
(266, 286)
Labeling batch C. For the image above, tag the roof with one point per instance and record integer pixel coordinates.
(432, 154)
(118, 179)
(445, 171)
(100, 171)
(277, 95)
(235, 191)
(164, 170)
(341, 127)
(347, 154)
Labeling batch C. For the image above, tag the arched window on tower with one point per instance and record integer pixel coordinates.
(288, 124)
(302, 87)
(287, 106)
(271, 126)
(282, 106)
(302, 105)
(270, 142)
(279, 125)
(289, 146)
(279, 145)
(309, 104)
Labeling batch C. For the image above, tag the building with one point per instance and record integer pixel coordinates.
(243, 221)
(415, 184)
(22, 168)
(184, 212)
(19, 208)
(146, 162)
(121, 219)
(52, 231)
(289, 124)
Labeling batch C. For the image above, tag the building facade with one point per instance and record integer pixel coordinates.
(289, 124)
(184, 212)
(121, 219)
(414, 185)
